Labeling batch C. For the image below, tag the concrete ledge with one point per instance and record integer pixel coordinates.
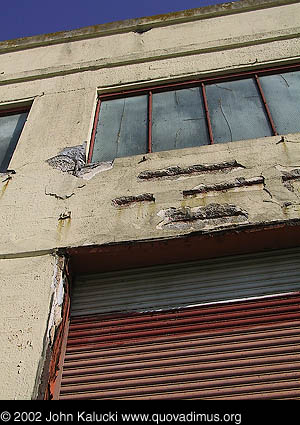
(140, 24)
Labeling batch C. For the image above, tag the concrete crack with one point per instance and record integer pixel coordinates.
(225, 119)
(64, 197)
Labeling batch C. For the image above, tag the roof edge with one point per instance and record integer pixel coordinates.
(142, 24)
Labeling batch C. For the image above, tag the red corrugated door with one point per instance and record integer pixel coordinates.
(238, 350)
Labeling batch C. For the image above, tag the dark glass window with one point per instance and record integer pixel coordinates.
(121, 129)
(283, 95)
(178, 120)
(195, 113)
(11, 125)
(236, 111)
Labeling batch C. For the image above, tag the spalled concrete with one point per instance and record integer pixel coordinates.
(177, 171)
(128, 200)
(239, 182)
(212, 215)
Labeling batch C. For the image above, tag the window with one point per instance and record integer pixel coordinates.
(215, 110)
(11, 124)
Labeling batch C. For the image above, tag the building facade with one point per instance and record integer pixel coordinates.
(150, 207)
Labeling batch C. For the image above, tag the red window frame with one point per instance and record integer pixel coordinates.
(11, 111)
(192, 83)
(6, 111)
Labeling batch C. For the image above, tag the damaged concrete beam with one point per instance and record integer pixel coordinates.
(90, 170)
(191, 170)
(127, 200)
(238, 182)
(212, 214)
(72, 160)
(289, 176)
(204, 213)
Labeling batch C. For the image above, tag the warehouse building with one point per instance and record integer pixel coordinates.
(150, 207)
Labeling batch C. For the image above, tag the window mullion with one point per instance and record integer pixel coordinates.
(210, 132)
(94, 132)
(272, 124)
(150, 121)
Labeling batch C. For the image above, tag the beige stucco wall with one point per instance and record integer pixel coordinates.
(62, 81)
(213, 34)
(25, 294)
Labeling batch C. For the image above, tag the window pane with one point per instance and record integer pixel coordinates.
(178, 120)
(122, 128)
(236, 111)
(282, 92)
(10, 130)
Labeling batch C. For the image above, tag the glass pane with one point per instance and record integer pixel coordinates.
(178, 120)
(122, 128)
(282, 92)
(236, 111)
(10, 130)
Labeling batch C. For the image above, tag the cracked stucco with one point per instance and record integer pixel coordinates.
(248, 174)
(57, 288)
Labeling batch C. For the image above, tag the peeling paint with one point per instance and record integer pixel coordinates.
(127, 200)
(57, 287)
(176, 171)
(70, 159)
(199, 217)
(90, 170)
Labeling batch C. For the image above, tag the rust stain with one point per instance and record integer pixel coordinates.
(63, 228)
(183, 203)
(3, 189)
(152, 209)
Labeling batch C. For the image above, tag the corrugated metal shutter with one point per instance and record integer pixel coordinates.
(134, 334)
(239, 350)
(181, 285)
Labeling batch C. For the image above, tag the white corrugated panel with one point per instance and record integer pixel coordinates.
(186, 284)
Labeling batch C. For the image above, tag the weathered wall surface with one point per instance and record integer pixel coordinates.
(62, 113)
(206, 188)
(204, 35)
(25, 292)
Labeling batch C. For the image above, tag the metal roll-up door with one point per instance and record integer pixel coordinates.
(239, 350)
(187, 284)
(175, 341)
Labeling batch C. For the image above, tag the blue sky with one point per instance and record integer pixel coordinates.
(23, 18)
